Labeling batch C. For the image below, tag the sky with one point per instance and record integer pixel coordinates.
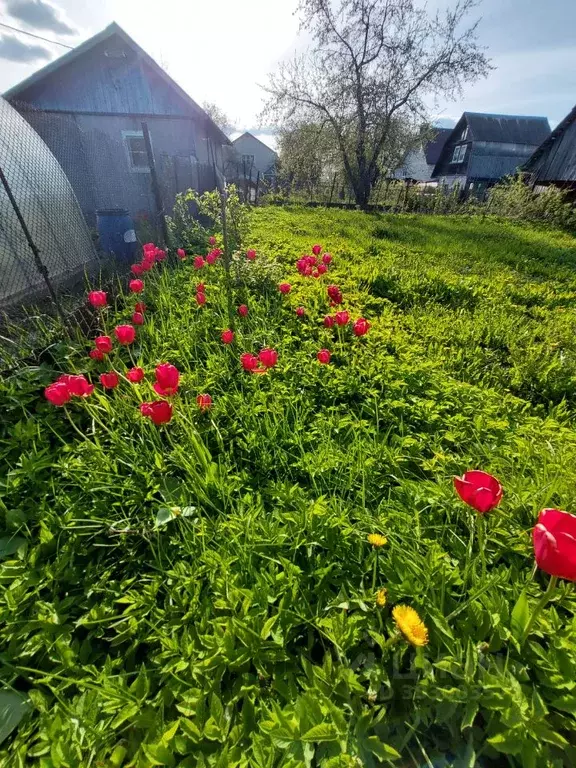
(221, 50)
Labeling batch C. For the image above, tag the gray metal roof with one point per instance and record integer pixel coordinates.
(512, 129)
(109, 31)
(555, 158)
(434, 147)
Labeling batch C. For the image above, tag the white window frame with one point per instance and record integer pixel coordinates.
(464, 134)
(126, 135)
(459, 154)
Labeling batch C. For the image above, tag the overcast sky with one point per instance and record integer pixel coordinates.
(221, 50)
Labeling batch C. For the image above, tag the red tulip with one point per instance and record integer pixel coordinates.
(326, 258)
(300, 311)
(138, 318)
(312, 260)
(147, 266)
(103, 344)
(96, 354)
(329, 321)
(554, 538)
(136, 286)
(212, 240)
(361, 327)
(140, 307)
(109, 380)
(324, 356)
(307, 271)
(284, 288)
(125, 333)
(167, 379)
(479, 490)
(251, 254)
(198, 262)
(316, 249)
(160, 254)
(135, 374)
(97, 298)
(249, 362)
(136, 269)
(334, 293)
(268, 357)
(322, 269)
(201, 298)
(227, 336)
(57, 393)
(242, 310)
(342, 318)
(204, 402)
(212, 257)
(181, 253)
(149, 248)
(316, 273)
(301, 265)
(77, 385)
(159, 411)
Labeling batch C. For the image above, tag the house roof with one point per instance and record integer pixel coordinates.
(555, 158)
(434, 147)
(251, 135)
(87, 45)
(509, 129)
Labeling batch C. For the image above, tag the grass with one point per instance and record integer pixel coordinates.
(203, 594)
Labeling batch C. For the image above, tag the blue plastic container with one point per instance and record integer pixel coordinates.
(116, 232)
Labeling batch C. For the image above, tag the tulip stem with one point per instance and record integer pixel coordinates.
(539, 606)
(375, 571)
(481, 524)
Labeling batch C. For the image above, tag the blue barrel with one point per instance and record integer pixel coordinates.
(116, 232)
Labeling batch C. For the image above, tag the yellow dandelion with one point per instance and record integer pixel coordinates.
(410, 624)
(381, 596)
(377, 540)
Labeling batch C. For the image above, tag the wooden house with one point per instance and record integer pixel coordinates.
(251, 164)
(484, 148)
(89, 106)
(554, 162)
(419, 163)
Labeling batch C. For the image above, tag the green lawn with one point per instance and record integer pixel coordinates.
(245, 631)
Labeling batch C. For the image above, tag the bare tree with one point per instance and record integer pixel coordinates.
(372, 65)
(218, 116)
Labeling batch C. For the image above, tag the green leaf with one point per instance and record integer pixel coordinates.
(268, 626)
(13, 707)
(321, 732)
(158, 754)
(509, 742)
(380, 749)
(164, 516)
(9, 545)
(470, 712)
(520, 615)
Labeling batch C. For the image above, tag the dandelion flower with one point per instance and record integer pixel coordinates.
(410, 624)
(377, 540)
(381, 596)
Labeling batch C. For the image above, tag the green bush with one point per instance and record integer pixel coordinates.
(515, 199)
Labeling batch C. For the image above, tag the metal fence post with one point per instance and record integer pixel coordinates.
(40, 266)
(155, 184)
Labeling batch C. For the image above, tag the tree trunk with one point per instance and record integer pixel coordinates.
(362, 191)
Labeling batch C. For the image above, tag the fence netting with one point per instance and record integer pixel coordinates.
(36, 195)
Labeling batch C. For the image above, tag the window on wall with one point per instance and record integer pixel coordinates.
(459, 153)
(248, 160)
(464, 134)
(136, 150)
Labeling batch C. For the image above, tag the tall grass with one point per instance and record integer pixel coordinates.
(203, 593)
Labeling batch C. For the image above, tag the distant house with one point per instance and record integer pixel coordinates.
(89, 105)
(420, 162)
(554, 162)
(251, 162)
(483, 148)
